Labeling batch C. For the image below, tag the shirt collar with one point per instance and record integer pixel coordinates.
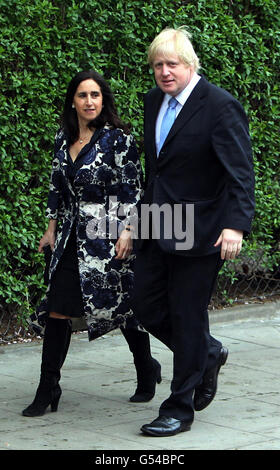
(185, 93)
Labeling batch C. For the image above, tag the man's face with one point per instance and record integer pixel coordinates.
(172, 75)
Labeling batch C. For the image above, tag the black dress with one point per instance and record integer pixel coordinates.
(65, 291)
(65, 295)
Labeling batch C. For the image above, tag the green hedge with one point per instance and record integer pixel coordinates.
(44, 43)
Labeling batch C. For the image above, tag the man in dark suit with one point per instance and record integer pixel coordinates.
(203, 163)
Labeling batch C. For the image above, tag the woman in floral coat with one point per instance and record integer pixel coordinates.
(94, 190)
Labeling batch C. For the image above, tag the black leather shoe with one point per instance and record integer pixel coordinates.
(206, 391)
(166, 426)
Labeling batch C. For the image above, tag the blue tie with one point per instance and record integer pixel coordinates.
(167, 121)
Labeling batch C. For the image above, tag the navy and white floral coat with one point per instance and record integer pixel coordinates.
(106, 189)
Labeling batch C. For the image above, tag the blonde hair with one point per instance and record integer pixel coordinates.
(171, 41)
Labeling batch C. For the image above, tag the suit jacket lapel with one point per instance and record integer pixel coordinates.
(192, 105)
(150, 118)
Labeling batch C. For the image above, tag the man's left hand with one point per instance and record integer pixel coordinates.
(231, 243)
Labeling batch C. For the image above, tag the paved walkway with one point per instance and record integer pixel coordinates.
(98, 377)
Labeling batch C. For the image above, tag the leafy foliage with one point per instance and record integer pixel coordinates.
(44, 43)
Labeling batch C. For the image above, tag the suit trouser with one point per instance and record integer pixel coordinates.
(171, 298)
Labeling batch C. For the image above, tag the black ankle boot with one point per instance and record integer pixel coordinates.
(43, 398)
(148, 370)
(55, 346)
(148, 375)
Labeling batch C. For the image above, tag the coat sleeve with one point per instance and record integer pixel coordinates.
(54, 196)
(130, 177)
(147, 163)
(231, 141)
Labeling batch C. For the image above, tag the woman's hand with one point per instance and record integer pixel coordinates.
(124, 245)
(49, 236)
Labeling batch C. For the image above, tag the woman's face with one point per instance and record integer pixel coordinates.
(88, 101)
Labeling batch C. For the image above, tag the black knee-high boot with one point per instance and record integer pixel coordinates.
(148, 369)
(55, 346)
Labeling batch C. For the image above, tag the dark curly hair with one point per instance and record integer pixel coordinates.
(109, 114)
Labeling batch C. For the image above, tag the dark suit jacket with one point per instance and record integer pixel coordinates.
(206, 160)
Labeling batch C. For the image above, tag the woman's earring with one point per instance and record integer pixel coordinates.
(73, 106)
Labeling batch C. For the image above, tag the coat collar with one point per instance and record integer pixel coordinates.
(63, 148)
